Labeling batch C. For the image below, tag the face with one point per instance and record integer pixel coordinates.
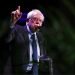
(35, 22)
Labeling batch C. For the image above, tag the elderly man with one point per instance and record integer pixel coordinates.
(26, 42)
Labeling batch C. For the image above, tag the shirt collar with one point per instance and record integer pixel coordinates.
(29, 31)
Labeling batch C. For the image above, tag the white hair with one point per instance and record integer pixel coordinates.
(34, 12)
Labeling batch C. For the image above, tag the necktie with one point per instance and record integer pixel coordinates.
(34, 47)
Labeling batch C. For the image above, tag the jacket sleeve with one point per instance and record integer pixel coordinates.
(10, 34)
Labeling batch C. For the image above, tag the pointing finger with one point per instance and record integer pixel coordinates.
(18, 8)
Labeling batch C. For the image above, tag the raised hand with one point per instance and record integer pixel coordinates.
(16, 15)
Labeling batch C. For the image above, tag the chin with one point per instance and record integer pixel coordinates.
(37, 29)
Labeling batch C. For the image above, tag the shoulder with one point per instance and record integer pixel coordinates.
(40, 35)
(19, 28)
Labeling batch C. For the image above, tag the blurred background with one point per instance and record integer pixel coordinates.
(59, 30)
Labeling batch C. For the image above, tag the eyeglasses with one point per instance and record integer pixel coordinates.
(36, 19)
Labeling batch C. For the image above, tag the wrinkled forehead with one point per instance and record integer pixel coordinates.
(38, 15)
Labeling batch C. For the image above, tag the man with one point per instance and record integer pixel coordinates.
(24, 56)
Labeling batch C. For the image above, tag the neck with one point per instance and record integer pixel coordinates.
(30, 30)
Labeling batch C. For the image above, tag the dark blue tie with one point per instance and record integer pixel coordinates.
(34, 47)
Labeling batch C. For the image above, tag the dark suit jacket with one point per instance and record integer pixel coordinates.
(19, 44)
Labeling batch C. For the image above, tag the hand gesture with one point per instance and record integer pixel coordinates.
(16, 15)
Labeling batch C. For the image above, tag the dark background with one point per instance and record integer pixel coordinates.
(59, 30)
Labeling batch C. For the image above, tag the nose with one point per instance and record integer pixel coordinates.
(37, 22)
(39, 25)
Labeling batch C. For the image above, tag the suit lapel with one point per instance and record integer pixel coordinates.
(40, 41)
(25, 34)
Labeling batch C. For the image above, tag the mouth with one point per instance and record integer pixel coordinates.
(37, 28)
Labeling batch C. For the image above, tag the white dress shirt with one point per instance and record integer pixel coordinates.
(30, 48)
